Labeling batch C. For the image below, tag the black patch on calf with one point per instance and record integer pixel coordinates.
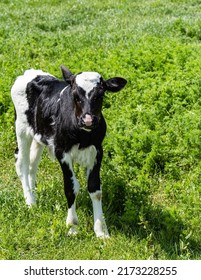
(43, 95)
(68, 184)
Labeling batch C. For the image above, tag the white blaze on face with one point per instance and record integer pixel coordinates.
(87, 81)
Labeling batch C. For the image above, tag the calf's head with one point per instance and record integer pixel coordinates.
(88, 90)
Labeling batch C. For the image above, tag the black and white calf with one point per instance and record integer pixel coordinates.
(64, 115)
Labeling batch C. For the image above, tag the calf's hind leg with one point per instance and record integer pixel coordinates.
(22, 164)
(34, 159)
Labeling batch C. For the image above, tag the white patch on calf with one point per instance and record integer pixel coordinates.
(18, 93)
(85, 157)
(72, 220)
(100, 227)
(87, 81)
(38, 138)
(61, 93)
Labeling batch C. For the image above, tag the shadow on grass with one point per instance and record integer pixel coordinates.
(132, 212)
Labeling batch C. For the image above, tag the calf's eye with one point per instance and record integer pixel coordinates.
(77, 99)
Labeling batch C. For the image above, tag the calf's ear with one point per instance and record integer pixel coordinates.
(67, 75)
(115, 84)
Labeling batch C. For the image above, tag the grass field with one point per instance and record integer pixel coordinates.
(151, 172)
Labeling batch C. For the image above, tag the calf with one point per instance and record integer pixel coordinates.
(64, 115)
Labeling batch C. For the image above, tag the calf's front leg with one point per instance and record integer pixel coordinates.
(95, 193)
(71, 188)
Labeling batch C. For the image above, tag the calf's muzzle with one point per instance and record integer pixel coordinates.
(88, 121)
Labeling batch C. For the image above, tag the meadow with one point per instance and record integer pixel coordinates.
(151, 171)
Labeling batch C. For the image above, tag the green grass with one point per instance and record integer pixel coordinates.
(151, 169)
